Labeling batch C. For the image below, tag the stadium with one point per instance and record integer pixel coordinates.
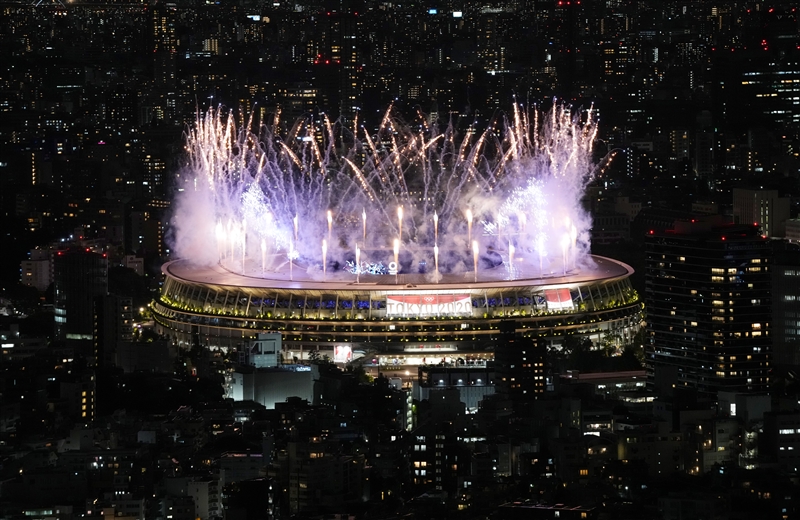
(408, 238)
(214, 307)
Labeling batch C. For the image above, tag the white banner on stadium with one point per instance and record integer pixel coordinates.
(428, 305)
(558, 299)
(342, 354)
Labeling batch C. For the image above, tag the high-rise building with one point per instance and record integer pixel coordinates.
(79, 276)
(154, 175)
(113, 323)
(35, 272)
(764, 208)
(519, 365)
(164, 44)
(786, 304)
(121, 107)
(771, 87)
(704, 154)
(708, 307)
(339, 61)
(79, 395)
(616, 56)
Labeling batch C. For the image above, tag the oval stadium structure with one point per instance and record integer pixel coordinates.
(214, 307)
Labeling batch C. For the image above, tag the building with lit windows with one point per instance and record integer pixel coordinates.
(709, 309)
(79, 276)
(35, 271)
(772, 87)
(782, 439)
(762, 207)
(164, 43)
(786, 304)
(519, 365)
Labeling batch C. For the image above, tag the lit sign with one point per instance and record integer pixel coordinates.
(433, 11)
(428, 305)
(558, 299)
(342, 354)
(457, 14)
(428, 347)
(367, 268)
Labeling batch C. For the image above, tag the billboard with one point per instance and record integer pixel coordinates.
(342, 354)
(558, 299)
(428, 305)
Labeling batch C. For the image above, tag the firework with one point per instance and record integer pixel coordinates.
(431, 197)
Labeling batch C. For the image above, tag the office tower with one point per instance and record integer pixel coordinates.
(570, 28)
(113, 323)
(79, 276)
(763, 208)
(160, 102)
(708, 307)
(617, 56)
(704, 144)
(154, 175)
(164, 44)
(78, 392)
(770, 88)
(35, 272)
(121, 107)
(339, 60)
(786, 304)
(519, 365)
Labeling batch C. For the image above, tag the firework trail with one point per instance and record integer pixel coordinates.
(252, 198)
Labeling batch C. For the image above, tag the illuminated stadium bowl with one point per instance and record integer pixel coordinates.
(390, 237)
(214, 307)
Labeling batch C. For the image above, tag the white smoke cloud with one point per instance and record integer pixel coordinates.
(266, 196)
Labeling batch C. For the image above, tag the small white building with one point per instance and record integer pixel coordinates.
(35, 271)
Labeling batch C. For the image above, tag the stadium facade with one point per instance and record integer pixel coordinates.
(213, 307)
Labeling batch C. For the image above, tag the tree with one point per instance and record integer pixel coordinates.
(611, 342)
(359, 373)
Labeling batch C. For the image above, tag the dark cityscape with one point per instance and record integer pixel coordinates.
(374, 259)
